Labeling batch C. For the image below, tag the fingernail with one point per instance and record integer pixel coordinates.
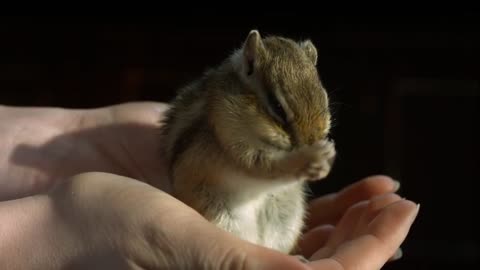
(398, 254)
(415, 214)
(396, 185)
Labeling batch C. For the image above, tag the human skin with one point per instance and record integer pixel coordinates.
(87, 188)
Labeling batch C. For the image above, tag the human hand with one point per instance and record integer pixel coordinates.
(357, 227)
(53, 144)
(98, 220)
(42, 146)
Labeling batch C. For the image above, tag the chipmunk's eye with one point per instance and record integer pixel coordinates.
(276, 107)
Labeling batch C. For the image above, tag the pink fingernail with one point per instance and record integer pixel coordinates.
(398, 254)
(396, 185)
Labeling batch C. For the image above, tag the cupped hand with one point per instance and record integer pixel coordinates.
(135, 226)
(360, 227)
(42, 146)
(135, 223)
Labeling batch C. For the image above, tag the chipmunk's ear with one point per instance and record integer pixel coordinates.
(310, 50)
(251, 49)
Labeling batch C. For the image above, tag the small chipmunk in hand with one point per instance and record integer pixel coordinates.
(243, 141)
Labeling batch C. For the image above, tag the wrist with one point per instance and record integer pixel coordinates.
(31, 235)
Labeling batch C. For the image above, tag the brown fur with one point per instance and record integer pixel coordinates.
(222, 126)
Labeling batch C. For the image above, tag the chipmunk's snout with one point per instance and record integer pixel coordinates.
(309, 132)
(311, 138)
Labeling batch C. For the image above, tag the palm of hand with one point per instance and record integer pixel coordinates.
(124, 140)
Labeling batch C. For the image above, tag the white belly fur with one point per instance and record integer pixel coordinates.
(265, 212)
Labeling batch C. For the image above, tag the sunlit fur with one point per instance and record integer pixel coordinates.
(230, 159)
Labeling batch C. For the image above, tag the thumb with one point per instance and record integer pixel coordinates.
(220, 250)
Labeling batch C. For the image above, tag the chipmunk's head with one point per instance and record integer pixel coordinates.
(284, 102)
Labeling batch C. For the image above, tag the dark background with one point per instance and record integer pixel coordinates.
(405, 93)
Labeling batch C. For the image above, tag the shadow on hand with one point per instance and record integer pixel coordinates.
(129, 149)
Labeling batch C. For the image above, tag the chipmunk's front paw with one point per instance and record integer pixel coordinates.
(319, 160)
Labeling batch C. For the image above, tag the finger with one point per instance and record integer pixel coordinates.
(375, 205)
(397, 255)
(330, 208)
(372, 250)
(342, 230)
(314, 239)
(399, 216)
(355, 222)
(148, 111)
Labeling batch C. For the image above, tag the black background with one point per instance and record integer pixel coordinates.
(405, 93)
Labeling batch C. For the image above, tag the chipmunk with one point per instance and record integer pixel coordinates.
(243, 140)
